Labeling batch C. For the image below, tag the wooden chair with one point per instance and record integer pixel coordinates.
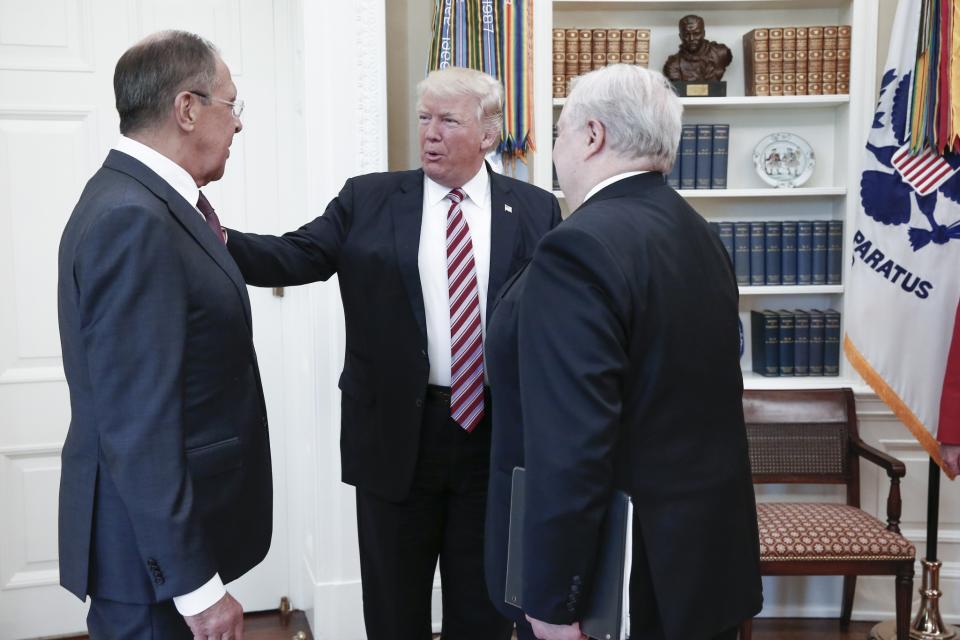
(810, 437)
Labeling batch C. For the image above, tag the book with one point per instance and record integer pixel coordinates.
(688, 157)
(756, 51)
(819, 252)
(834, 251)
(831, 342)
(788, 253)
(815, 359)
(606, 614)
(801, 343)
(785, 338)
(772, 242)
(804, 252)
(765, 342)
(721, 144)
(758, 254)
(726, 237)
(704, 155)
(673, 178)
(741, 252)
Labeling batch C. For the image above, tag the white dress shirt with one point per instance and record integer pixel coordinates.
(432, 261)
(177, 177)
(609, 181)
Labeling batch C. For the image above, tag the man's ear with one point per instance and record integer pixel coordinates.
(596, 137)
(185, 110)
(489, 140)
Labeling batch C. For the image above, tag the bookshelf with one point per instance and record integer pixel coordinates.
(835, 126)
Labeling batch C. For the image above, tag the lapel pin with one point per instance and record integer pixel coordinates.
(508, 208)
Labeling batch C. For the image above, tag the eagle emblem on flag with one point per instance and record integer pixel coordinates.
(922, 177)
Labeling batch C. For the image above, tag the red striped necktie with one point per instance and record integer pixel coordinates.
(211, 217)
(466, 338)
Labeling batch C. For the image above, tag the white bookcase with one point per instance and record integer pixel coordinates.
(836, 126)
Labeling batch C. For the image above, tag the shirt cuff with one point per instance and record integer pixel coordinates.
(190, 604)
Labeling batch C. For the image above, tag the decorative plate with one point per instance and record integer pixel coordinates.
(784, 160)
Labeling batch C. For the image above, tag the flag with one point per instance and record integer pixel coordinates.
(903, 288)
(496, 37)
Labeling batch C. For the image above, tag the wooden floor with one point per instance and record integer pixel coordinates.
(274, 626)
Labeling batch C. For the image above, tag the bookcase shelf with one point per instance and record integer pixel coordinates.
(755, 102)
(689, 5)
(783, 290)
(835, 126)
(753, 380)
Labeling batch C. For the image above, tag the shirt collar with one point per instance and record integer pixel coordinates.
(172, 173)
(477, 188)
(609, 181)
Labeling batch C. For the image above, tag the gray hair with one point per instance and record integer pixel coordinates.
(638, 108)
(460, 81)
(152, 72)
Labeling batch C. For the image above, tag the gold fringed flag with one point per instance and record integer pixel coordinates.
(903, 288)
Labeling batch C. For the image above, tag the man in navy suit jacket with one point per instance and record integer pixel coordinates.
(166, 484)
(418, 254)
(617, 351)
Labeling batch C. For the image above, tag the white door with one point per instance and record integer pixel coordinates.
(57, 121)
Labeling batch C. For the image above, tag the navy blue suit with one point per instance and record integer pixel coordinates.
(421, 480)
(166, 467)
(613, 362)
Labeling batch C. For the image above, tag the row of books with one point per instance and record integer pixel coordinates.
(795, 343)
(579, 51)
(702, 157)
(797, 61)
(808, 252)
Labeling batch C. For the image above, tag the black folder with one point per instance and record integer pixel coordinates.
(606, 615)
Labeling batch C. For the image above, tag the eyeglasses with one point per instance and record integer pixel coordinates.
(236, 106)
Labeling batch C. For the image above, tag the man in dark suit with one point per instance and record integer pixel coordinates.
(166, 488)
(418, 254)
(628, 375)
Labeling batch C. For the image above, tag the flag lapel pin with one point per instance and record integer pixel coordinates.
(508, 208)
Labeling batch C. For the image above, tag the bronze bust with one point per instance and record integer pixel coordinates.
(699, 59)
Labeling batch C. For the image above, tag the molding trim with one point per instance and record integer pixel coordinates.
(27, 375)
(32, 450)
(371, 85)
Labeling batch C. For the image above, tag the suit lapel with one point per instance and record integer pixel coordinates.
(187, 216)
(503, 235)
(406, 208)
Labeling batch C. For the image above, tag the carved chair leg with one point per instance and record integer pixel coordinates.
(849, 586)
(904, 589)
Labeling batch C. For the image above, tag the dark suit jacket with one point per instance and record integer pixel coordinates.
(370, 237)
(166, 466)
(621, 337)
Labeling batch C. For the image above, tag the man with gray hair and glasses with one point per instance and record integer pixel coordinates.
(622, 337)
(166, 488)
(420, 256)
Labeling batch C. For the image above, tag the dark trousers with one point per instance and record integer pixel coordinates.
(442, 518)
(109, 620)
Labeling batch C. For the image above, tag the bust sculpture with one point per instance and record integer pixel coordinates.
(699, 59)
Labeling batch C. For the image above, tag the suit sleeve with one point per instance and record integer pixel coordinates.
(948, 430)
(555, 216)
(572, 358)
(309, 254)
(134, 314)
